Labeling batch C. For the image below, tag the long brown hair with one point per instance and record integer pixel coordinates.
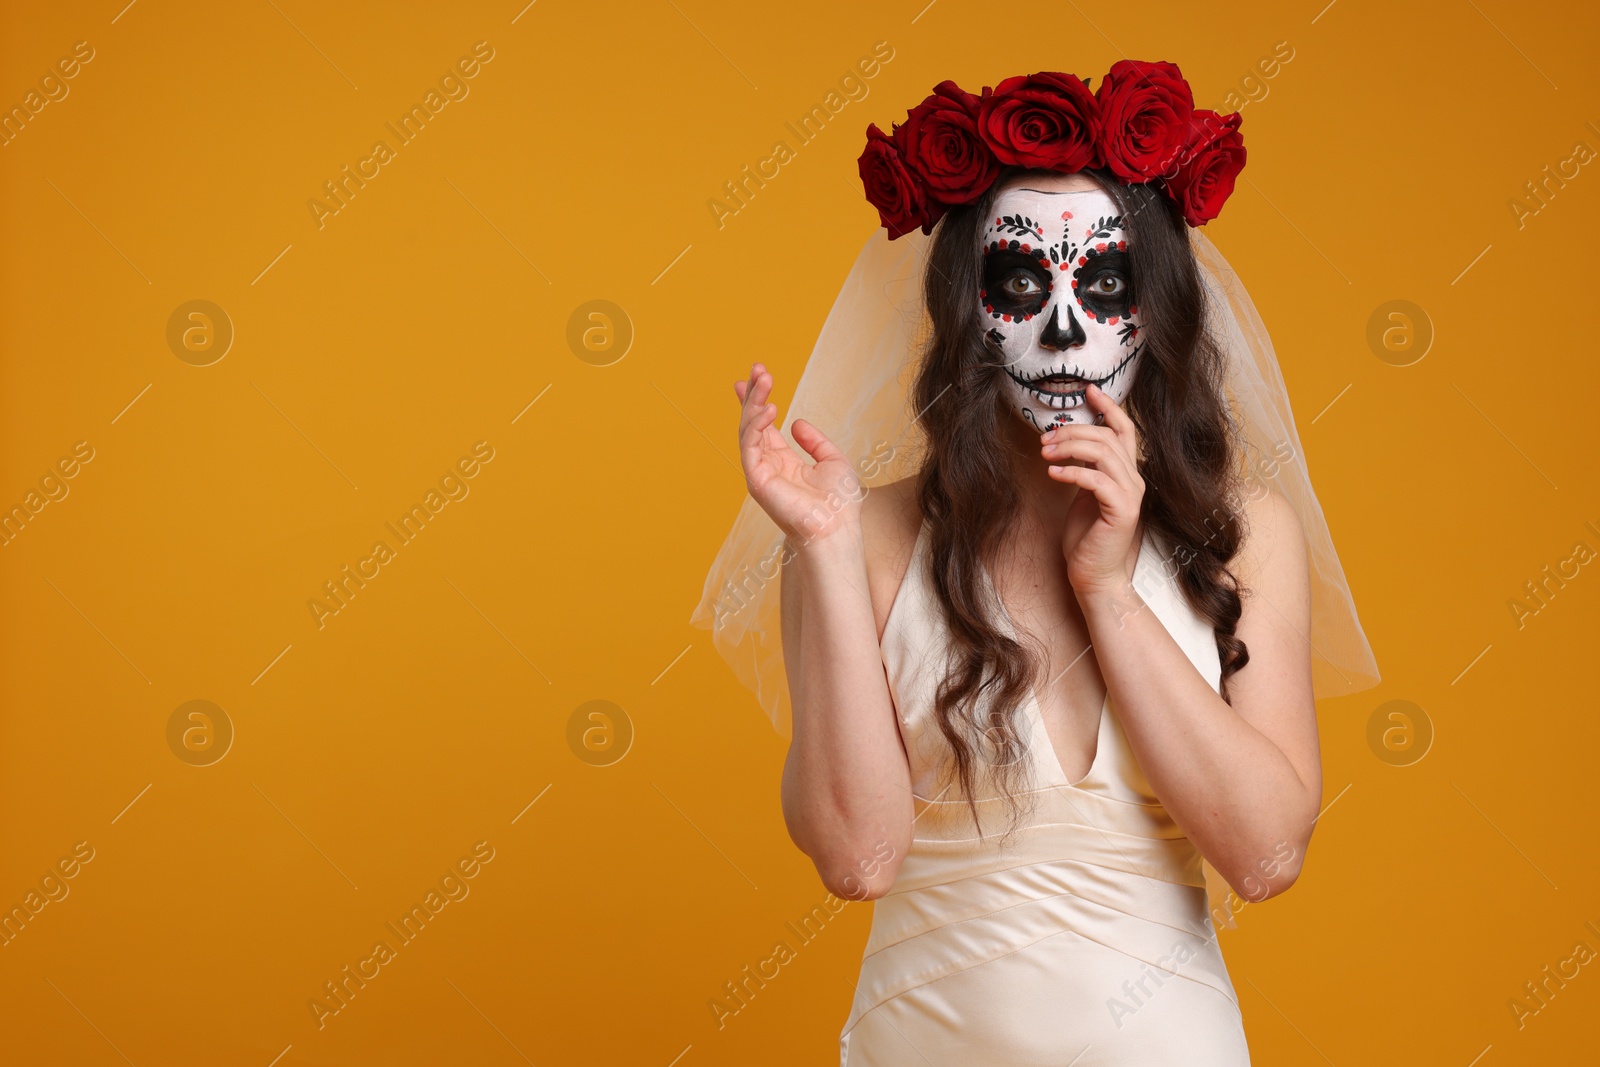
(965, 482)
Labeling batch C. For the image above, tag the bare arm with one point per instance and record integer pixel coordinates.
(846, 782)
(1242, 780)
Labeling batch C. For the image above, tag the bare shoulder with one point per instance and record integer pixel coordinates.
(1273, 548)
(891, 518)
(1273, 570)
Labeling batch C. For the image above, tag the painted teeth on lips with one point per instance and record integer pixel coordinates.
(1060, 384)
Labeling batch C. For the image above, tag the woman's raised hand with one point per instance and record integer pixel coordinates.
(807, 501)
(1103, 462)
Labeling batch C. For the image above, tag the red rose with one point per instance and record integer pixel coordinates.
(1145, 111)
(940, 143)
(891, 187)
(1045, 120)
(1211, 160)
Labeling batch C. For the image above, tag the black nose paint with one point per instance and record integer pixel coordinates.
(1057, 338)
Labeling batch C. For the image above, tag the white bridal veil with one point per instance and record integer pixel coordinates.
(856, 389)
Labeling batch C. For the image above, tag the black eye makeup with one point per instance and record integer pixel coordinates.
(1103, 284)
(1016, 283)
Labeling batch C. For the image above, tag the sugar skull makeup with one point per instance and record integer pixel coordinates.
(1058, 302)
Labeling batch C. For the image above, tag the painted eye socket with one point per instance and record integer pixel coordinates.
(1104, 285)
(1015, 283)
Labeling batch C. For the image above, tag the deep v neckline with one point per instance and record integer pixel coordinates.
(1052, 762)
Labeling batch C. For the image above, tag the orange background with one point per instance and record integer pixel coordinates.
(371, 353)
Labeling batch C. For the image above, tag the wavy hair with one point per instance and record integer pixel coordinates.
(965, 482)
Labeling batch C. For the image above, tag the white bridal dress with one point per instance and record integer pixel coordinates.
(1087, 941)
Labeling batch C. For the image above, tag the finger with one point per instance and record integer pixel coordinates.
(814, 441)
(756, 426)
(1087, 431)
(1111, 495)
(1097, 482)
(1103, 455)
(744, 412)
(1112, 500)
(760, 384)
(743, 391)
(754, 396)
(1066, 431)
(1106, 456)
(1116, 418)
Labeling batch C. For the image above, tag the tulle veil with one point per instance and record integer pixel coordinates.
(856, 388)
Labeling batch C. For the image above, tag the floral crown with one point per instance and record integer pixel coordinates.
(1141, 124)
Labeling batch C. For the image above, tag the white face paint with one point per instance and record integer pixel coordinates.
(1057, 301)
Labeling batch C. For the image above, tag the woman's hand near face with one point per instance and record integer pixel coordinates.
(1103, 462)
(808, 502)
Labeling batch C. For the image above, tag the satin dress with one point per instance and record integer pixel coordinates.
(1087, 942)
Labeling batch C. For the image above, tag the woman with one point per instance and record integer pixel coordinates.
(1078, 619)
